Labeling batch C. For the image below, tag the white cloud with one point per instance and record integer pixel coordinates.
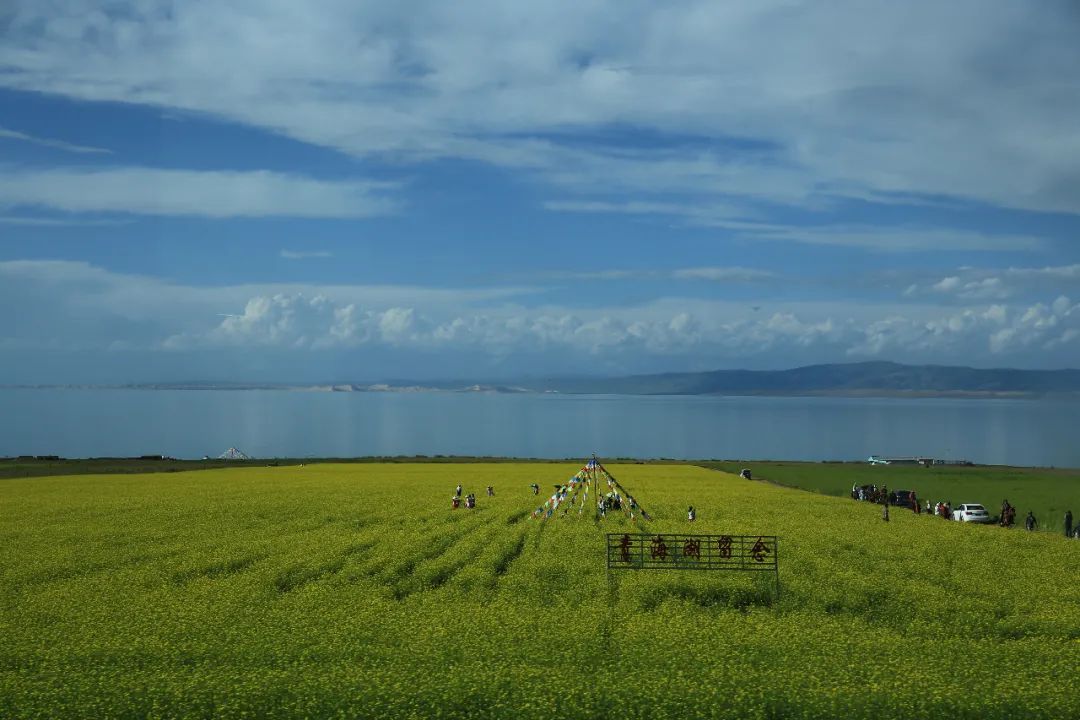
(890, 239)
(947, 284)
(787, 102)
(884, 239)
(305, 254)
(77, 307)
(216, 194)
(51, 143)
(720, 330)
(1000, 283)
(58, 222)
(80, 305)
(732, 273)
(723, 274)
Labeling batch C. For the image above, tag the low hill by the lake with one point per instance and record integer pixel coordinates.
(866, 378)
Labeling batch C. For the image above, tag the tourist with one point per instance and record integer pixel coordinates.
(929, 509)
(1029, 521)
(458, 491)
(691, 514)
(456, 502)
(535, 489)
(490, 491)
(1068, 523)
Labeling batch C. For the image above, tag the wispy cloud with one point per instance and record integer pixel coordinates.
(872, 101)
(51, 143)
(305, 254)
(216, 194)
(60, 222)
(891, 239)
(723, 274)
(727, 273)
(868, 237)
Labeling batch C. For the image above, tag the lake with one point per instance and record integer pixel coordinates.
(287, 423)
(194, 423)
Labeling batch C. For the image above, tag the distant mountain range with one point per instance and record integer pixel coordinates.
(865, 378)
(871, 379)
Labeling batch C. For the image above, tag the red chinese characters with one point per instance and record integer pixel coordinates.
(692, 548)
(724, 545)
(759, 551)
(658, 550)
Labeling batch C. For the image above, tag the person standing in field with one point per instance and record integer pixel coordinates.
(458, 490)
(1029, 521)
(691, 514)
(1068, 523)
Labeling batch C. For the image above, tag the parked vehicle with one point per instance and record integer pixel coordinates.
(971, 512)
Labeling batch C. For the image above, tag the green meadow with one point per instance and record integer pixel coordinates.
(1047, 492)
(354, 590)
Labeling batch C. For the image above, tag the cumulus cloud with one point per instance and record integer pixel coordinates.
(997, 329)
(78, 305)
(778, 101)
(68, 306)
(1000, 283)
(293, 321)
(215, 194)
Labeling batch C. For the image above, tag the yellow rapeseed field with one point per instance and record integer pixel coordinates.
(357, 591)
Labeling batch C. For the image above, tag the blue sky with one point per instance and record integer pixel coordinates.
(359, 191)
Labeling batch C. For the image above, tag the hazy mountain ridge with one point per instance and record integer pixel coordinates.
(868, 379)
(886, 378)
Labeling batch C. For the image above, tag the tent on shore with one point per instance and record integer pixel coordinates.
(233, 454)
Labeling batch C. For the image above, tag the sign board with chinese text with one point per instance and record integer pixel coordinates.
(639, 551)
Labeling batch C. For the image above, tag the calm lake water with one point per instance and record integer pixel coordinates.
(191, 423)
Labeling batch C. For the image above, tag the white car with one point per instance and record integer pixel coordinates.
(971, 512)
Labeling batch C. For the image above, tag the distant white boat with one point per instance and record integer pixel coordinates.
(881, 460)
